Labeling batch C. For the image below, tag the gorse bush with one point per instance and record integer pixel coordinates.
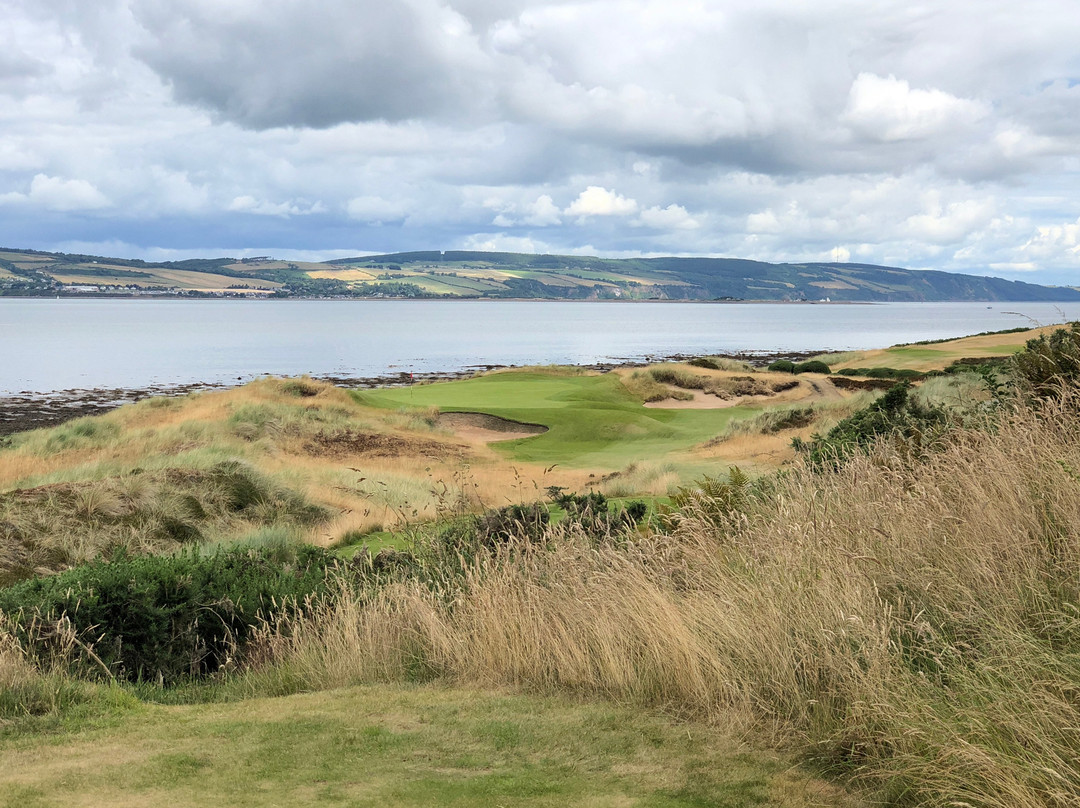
(528, 525)
(787, 366)
(813, 366)
(513, 522)
(1050, 364)
(896, 414)
(900, 374)
(159, 618)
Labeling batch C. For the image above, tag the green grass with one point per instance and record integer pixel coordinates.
(374, 541)
(592, 420)
(395, 746)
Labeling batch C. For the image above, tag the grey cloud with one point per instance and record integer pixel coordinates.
(16, 66)
(283, 63)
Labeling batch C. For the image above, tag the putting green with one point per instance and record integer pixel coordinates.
(593, 420)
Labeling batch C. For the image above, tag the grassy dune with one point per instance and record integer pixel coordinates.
(328, 463)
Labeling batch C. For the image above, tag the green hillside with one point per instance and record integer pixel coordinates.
(464, 274)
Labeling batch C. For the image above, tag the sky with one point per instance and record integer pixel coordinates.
(940, 135)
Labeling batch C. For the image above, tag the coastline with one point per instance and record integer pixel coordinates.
(27, 410)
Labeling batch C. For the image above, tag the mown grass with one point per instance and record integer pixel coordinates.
(935, 356)
(591, 420)
(397, 746)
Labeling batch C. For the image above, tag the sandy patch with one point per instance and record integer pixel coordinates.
(702, 401)
(483, 428)
(348, 443)
(806, 390)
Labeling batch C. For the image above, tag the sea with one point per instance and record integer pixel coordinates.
(49, 345)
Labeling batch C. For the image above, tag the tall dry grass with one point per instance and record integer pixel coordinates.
(15, 671)
(915, 626)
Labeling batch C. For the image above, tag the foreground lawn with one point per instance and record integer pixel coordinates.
(592, 419)
(398, 746)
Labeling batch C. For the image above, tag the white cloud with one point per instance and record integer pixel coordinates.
(375, 210)
(543, 212)
(597, 201)
(951, 223)
(889, 109)
(259, 207)
(1052, 245)
(673, 217)
(500, 242)
(59, 194)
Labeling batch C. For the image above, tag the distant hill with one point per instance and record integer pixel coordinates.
(434, 274)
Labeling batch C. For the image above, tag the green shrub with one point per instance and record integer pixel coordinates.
(813, 366)
(592, 514)
(980, 365)
(782, 366)
(162, 618)
(1050, 363)
(895, 413)
(899, 374)
(512, 522)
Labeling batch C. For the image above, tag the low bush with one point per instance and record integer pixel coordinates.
(721, 363)
(813, 366)
(159, 618)
(527, 522)
(899, 374)
(782, 366)
(980, 364)
(1050, 364)
(592, 514)
(895, 414)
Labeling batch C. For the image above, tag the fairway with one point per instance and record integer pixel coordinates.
(593, 420)
(395, 746)
(937, 355)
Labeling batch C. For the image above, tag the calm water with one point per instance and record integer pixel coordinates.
(49, 345)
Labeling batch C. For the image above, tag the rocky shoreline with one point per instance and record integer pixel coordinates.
(20, 412)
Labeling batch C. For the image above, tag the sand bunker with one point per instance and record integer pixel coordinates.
(349, 442)
(480, 426)
(700, 401)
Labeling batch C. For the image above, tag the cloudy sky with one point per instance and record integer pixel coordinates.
(940, 135)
